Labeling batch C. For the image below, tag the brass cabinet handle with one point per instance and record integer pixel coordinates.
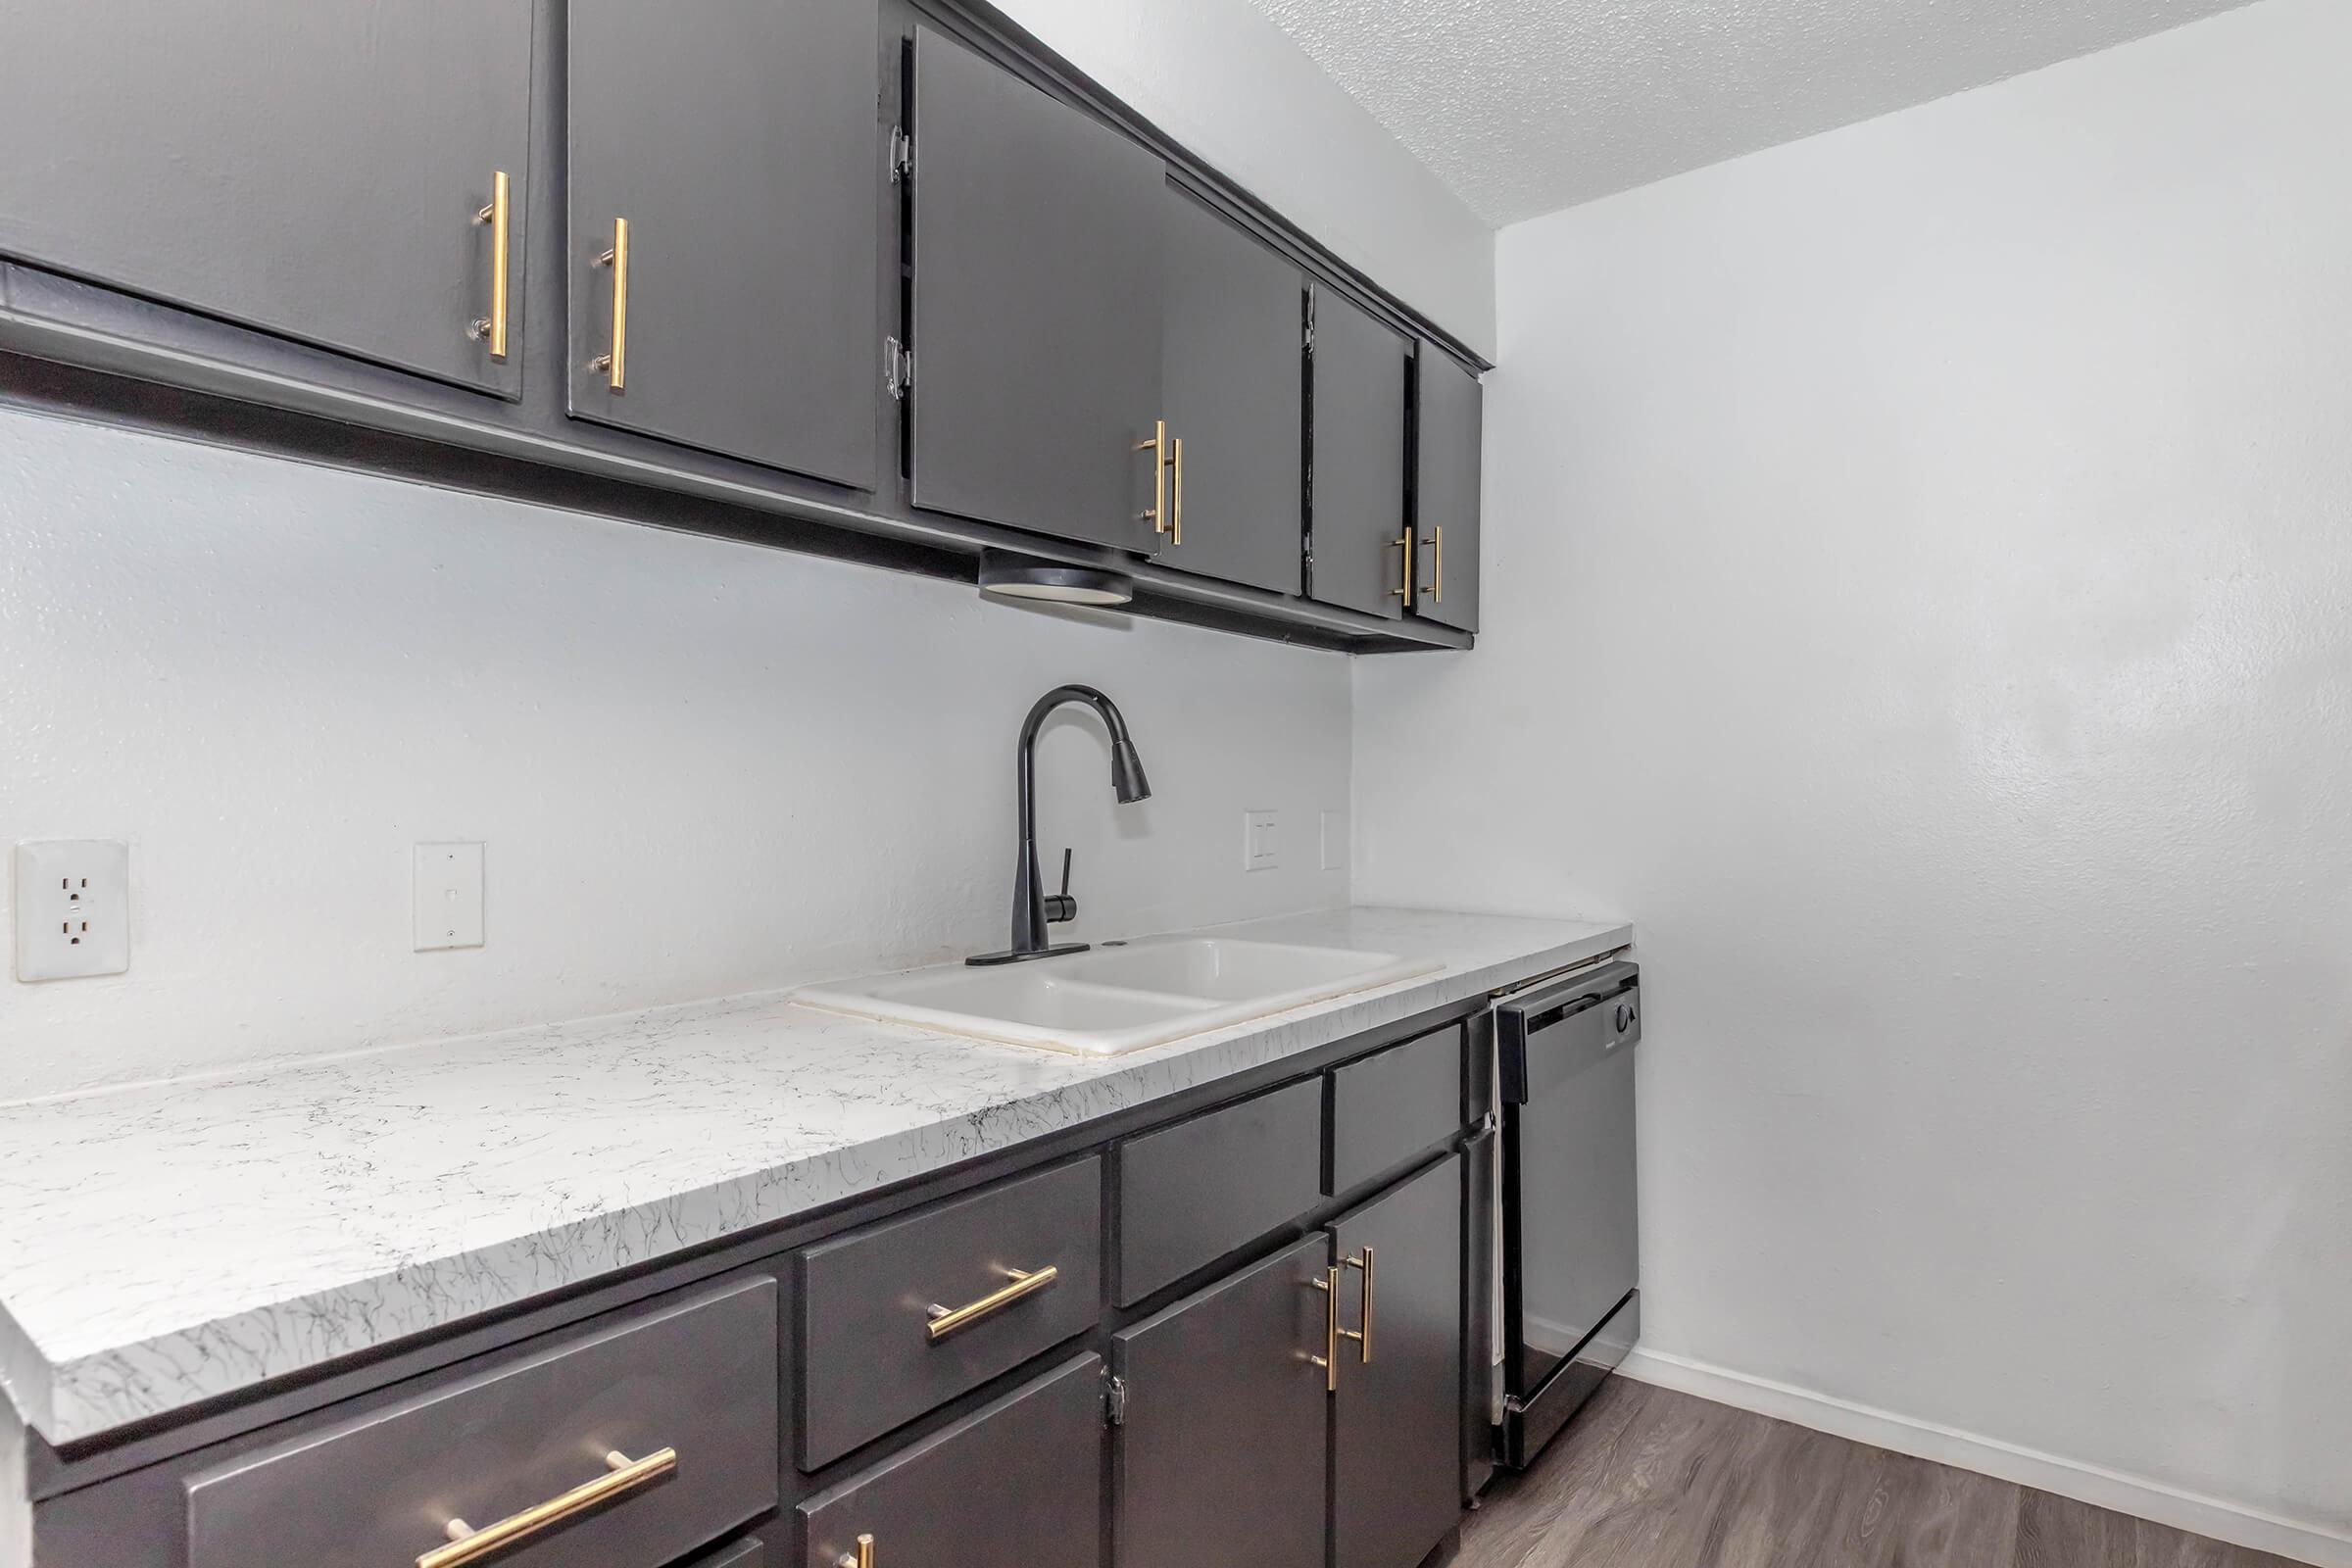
(469, 1544)
(1437, 592)
(1406, 545)
(1176, 522)
(494, 325)
(1158, 446)
(615, 365)
(1362, 1336)
(864, 1557)
(947, 1320)
(1329, 1360)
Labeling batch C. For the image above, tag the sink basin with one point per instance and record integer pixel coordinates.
(1120, 998)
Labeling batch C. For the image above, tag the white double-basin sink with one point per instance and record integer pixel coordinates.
(1120, 997)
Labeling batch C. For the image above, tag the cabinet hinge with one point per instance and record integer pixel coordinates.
(1114, 1402)
(898, 367)
(901, 155)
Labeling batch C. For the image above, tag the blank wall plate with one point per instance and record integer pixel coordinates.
(72, 908)
(449, 897)
(1334, 841)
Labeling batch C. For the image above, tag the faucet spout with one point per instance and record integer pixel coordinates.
(1030, 909)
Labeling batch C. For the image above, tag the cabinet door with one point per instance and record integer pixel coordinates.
(1037, 299)
(1234, 361)
(1447, 414)
(1396, 1470)
(1222, 1452)
(1357, 511)
(313, 170)
(740, 141)
(1017, 1484)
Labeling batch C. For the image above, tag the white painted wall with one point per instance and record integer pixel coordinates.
(1918, 591)
(699, 767)
(1222, 78)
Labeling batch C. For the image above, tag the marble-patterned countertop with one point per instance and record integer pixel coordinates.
(163, 1245)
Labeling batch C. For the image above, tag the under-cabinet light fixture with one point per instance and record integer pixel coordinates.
(1012, 576)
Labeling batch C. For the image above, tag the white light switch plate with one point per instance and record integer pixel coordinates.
(72, 908)
(1259, 851)
(449, 896)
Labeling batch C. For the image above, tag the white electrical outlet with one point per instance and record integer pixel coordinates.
(1334, 841)
(449, 897)
(72, 908)
(1259, 851)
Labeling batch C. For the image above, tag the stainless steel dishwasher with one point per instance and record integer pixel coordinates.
(1568, 1292)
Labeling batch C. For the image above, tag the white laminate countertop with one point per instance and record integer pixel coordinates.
(165, 1244)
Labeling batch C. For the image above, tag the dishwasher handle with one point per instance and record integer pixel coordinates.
(1519, 1019)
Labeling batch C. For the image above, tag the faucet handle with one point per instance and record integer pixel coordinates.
(1060, 907)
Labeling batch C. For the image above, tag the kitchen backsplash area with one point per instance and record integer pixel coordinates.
(697, 768)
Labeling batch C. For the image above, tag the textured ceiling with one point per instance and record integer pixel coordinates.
(1528, 105)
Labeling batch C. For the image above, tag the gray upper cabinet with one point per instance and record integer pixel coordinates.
(1445, 496)
(1396, 1470)
(1221, 1457)
(320, 171)
(1037, 305)
(1234, 363)
(1358, 507)
(727, 181)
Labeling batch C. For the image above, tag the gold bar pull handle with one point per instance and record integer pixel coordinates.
(1158, 446)
(1404, 543)
(1176, 522)
(494, 325)
(865, 1556)
(1329, 1360)
(622, 1473)
(1438, 539)
(945, 1320)
(615, 365)
(1362, 1336)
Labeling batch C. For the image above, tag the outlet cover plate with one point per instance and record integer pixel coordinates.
(449, 897)
(73, 902)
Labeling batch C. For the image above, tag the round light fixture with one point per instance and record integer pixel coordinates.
(1011, 576)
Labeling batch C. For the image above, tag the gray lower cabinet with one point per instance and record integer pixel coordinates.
(1234, 365)
(1015, 1485)
(1447, 421)
(1393, 1106)
(1196, 1191)
(1222, 1452)
(315, 170)
(683, 1399)
(1037, 303)
(725, 199)
(1357, 515)
(1482, 1348)
(1397, 1431)
(899, 1318)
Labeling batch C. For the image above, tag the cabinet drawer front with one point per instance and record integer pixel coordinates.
(868, 1358)
(1192, 1193)
(1390, 1106)
(698, 1377)
(1017, 1484)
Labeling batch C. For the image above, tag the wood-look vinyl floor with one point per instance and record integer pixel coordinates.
(1645, 1478)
